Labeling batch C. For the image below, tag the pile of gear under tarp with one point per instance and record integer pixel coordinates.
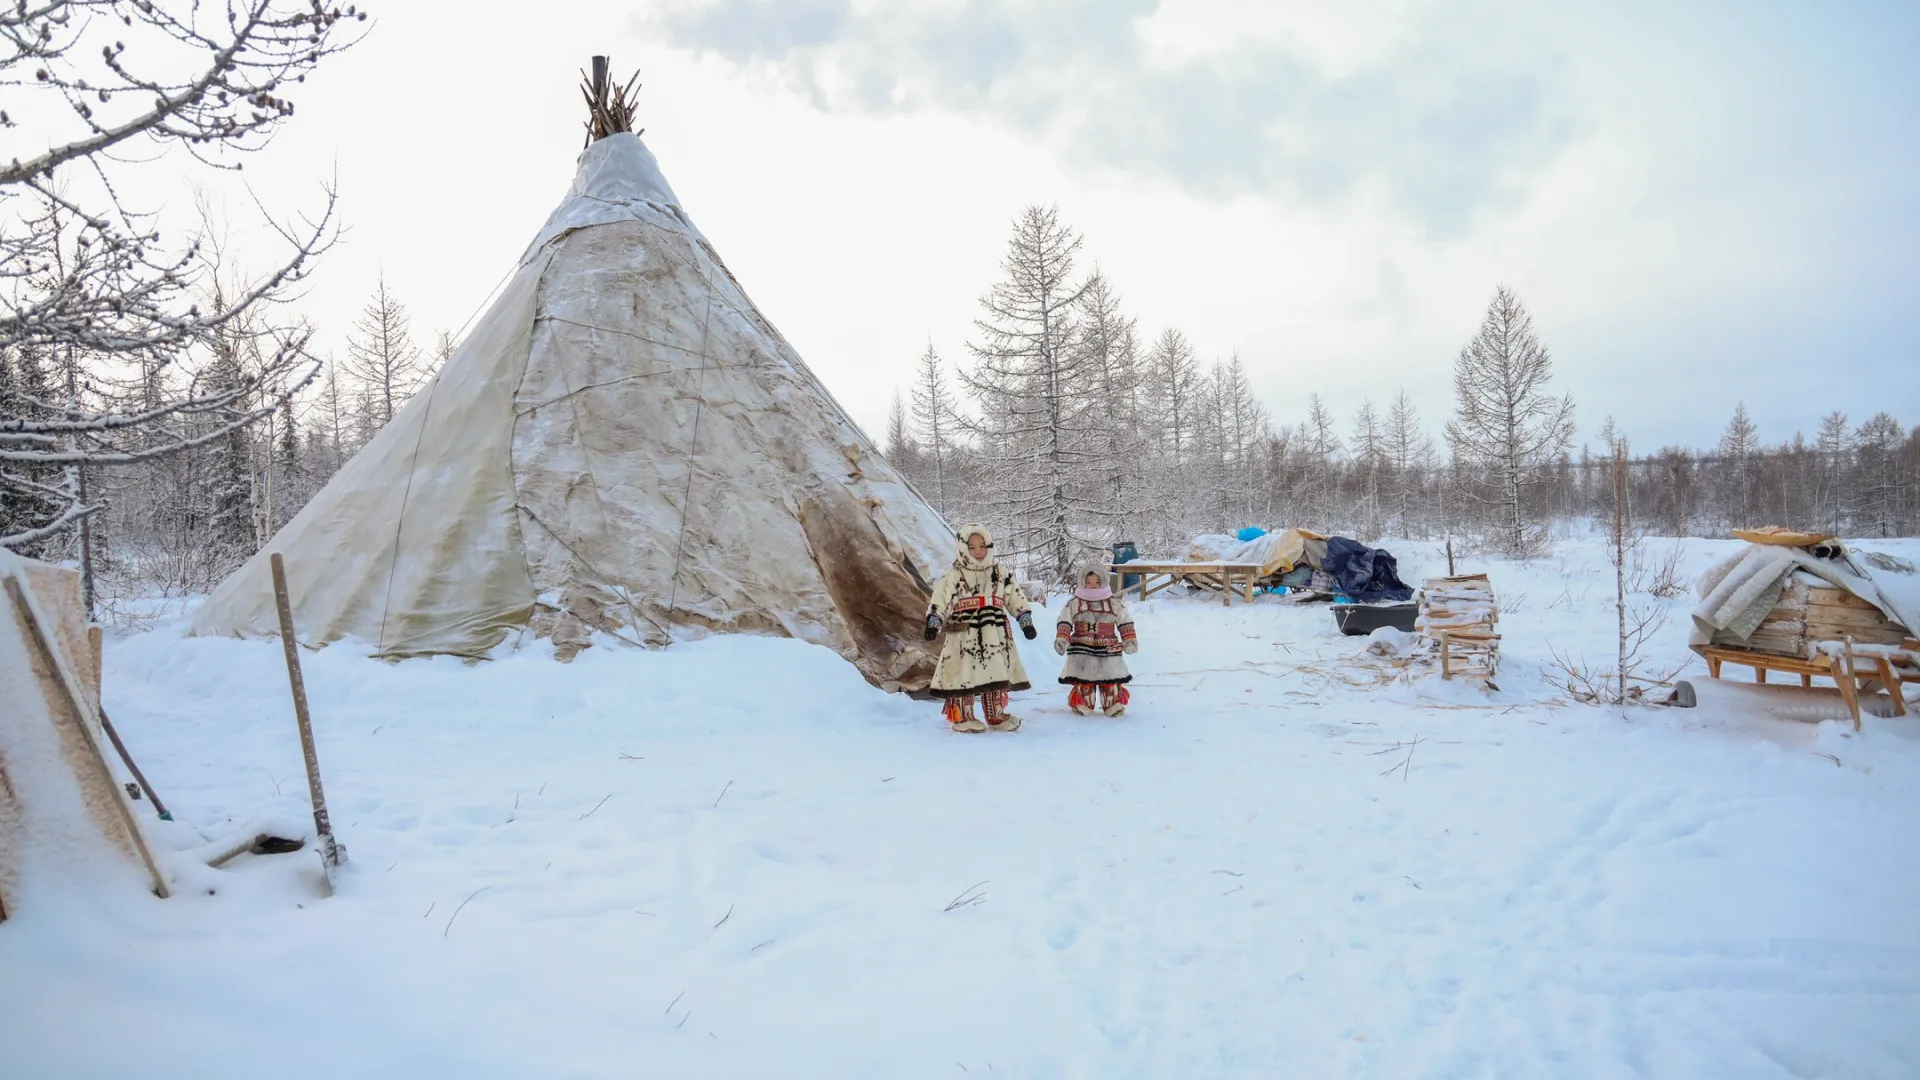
(1790, 593)
(1309, 565)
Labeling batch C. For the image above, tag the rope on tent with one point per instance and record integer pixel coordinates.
(400, 519)
(413, 460)
(717, 361)
(693, 443)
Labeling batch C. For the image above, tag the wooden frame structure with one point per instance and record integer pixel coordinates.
(1157, 575)
(1850, 670)
(1460, 617)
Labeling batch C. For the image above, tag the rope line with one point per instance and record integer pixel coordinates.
(693, 444)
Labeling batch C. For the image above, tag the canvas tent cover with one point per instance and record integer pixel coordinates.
(64, 821)
(622, 445)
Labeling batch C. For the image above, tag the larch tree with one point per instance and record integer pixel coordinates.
(1409, 455)
(901, 452)
(1320, 451)
(1172, 385)
(1037, 417)
(1507, 428)
(1110, 357)
(1834, 448)
(1738, 445)
(382, 357)
(1878, 491)
(935, 428)
(1367, 447)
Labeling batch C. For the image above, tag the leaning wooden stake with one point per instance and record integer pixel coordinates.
(331, 853)
(139, 777)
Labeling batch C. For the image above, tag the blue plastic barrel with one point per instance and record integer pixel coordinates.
(1125, 552)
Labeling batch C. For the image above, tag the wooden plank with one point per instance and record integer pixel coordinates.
(80, 712)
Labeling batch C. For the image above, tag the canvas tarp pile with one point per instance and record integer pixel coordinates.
(1368, 575)
(1275, 553)
(623, 445)
(64, 820)
(1738, 593)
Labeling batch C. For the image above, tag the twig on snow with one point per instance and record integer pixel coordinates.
(668, 1011)
(967, 898)
(1231, 873)
(596, 806)
(762, 945)
(624, 756)
(430, 908)
(722, 795)
(462, 907)
(724, 918)
(1233, 890)
(1405, 766)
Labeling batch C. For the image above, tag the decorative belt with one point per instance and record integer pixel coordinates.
(975, 603)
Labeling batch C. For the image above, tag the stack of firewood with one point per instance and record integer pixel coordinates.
(1459, 627)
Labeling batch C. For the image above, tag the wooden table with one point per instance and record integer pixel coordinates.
(1155, 576)
(1855, 669)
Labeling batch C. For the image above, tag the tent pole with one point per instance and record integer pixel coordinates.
(331, 853)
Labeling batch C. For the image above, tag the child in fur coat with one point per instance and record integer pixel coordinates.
(976, 603)
(1094, 631)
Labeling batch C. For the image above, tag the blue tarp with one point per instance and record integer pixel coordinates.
(1251, 532)
(1369, 575)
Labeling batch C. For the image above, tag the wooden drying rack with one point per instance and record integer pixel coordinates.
(1850, 670)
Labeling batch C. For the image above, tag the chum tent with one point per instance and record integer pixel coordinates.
(64, 819)
(622, 445)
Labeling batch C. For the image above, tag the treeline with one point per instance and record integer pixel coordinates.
(280, 423)
(1068, 428)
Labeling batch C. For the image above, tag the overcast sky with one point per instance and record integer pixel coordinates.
(1701, 203)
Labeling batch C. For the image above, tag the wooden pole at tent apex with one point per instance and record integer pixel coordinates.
(331, 853)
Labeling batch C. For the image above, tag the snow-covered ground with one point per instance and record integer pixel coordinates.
(734, 858)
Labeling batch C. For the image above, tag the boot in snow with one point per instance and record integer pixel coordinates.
(1113, 699)
(998, 718)
(1080, 699)
(959, 714)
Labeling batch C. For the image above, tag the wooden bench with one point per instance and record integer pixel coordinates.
(1155, 576)
(1850, 670)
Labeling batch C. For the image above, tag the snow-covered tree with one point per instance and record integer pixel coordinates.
(935, 428)
(1367, 447)
(1038, 421)
(901, 452)
(1738, 445)
(382, 357)
(1319, 450)
(118, 88)
(1409, 456)
(1880, 497)
(1507, 428)
(1110, 357)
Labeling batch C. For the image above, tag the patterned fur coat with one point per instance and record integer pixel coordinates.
(1093, 631)
(977, 601)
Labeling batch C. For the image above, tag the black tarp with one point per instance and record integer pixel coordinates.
(1369, 575)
